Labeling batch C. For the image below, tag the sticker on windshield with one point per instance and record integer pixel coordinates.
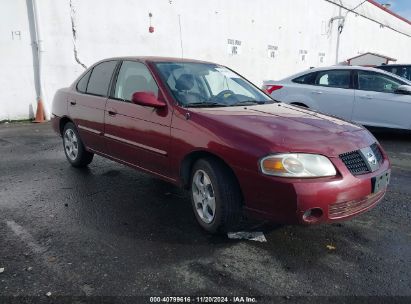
(227, 73)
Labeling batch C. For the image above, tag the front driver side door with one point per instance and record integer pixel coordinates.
(377, 104)
(137, 135)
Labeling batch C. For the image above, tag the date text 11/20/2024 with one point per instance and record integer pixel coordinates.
(203, 299)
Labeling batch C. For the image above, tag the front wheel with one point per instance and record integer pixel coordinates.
(215, 196)
(74, 148)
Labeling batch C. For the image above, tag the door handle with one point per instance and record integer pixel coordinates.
(112, 112)
(73, 102)
(316, 92)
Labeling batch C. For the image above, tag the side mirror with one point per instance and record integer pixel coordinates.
(147, 99)
(403, 89)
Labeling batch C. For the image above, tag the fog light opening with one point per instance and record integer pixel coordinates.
(313, 215)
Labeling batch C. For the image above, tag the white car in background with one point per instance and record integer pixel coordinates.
(367, 96)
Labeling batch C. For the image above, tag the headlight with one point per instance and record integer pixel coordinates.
(297, 165)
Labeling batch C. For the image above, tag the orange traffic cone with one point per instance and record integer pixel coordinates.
(40, 117)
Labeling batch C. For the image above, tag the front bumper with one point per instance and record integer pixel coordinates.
(288, 201)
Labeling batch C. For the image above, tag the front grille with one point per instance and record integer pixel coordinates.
(377, 152)
(344, 209)
(355, 163)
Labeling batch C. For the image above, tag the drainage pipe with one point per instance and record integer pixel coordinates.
(39, 46)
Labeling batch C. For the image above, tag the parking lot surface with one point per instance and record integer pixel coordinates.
(109, 230)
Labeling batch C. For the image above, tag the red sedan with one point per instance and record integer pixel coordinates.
(203, 127)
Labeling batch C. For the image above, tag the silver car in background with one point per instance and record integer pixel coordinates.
(368, 96)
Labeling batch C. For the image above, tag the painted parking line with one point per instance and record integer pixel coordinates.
(25, 237)
(47, 258)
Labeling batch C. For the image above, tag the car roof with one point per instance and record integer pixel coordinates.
(343, 67)
(157, 59)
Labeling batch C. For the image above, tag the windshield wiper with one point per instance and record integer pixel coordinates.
(205, 104)
(248, 102)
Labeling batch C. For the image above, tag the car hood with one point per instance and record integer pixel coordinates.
(286, 128)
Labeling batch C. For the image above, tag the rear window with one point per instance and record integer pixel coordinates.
(100, 78)
(82, 84)
(306, 79)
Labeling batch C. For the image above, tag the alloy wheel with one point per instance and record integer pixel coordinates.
(203, 196)
(71, 144)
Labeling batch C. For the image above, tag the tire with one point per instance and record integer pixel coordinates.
(224, 192)
(74, 149)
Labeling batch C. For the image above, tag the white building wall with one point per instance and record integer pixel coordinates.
(17, 83)
(106, 28)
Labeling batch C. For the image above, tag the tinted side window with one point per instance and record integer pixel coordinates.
(82, 84)
(306, 79)
(402, 71)
(406, 72)
(390, 69)
(134, 77)
(336, 79)
(100, 78)
(371, 81)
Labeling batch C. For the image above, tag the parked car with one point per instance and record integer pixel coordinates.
(203, 127)
(367, 96)
(402, 70)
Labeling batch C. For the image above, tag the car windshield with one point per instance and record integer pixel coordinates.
(209, 85)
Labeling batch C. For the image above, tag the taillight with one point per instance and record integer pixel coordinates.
(271, 88)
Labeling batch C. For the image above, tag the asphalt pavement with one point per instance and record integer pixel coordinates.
(112, 231)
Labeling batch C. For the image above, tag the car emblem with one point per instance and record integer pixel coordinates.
(371, 158)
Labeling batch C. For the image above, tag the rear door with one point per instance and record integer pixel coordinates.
(136, 134)
(87, 104)
(333, 92)
(377, 104)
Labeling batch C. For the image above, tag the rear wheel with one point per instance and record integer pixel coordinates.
(74, 148)
(215, 196)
